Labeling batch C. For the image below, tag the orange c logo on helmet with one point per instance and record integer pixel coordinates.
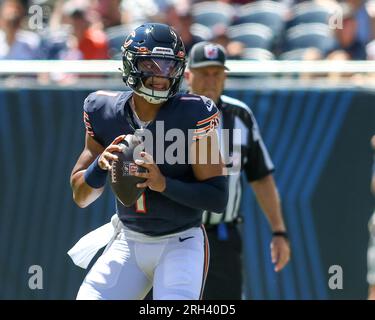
(128, 43)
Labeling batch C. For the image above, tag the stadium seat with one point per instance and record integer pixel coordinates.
(210, 13)
(309, 12)
(201, 31)
(257, 54)
(269, 13)
(54, 42)
(252, 35)
(301, 54)
(307, 35)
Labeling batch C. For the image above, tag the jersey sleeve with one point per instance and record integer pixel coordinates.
(259, 163)
(92, 106)
(207, 118)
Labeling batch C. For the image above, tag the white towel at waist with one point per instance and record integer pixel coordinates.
(85, 249)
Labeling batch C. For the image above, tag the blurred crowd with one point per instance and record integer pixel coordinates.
(255, 30)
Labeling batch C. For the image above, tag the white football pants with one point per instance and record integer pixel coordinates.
(175, 266)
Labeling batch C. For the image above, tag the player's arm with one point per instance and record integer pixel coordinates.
(209, 192)
(89, 173)
(206, 159)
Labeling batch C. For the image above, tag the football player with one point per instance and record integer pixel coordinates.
(158, 242)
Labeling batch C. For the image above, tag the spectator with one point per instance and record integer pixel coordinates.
(109, 12)
(16, 43)
(348, 46)
(181, 19)
(136, 12)
(90, 42)
(234, 49)
(364, 11)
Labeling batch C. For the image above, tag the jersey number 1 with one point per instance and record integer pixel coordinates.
(140, 205)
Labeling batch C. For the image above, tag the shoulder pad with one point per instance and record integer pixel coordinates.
(97, 100)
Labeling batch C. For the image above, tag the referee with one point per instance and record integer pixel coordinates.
(206, 76)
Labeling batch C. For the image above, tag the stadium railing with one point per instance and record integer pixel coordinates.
(236, 67)
(277, 73)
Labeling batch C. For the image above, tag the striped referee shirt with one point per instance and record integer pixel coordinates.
(249, 148)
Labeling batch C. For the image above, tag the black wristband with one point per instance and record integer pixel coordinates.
(280, 234)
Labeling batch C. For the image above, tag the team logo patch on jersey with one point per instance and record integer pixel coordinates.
(205, 126)
(208, 103)
(211, 52)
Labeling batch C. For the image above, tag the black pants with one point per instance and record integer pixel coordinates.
(224, 280)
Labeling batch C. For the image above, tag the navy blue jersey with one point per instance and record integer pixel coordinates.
(106, 117)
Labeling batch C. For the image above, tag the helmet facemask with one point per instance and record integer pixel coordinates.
(157, 77)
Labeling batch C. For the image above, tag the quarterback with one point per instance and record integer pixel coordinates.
(159, 241)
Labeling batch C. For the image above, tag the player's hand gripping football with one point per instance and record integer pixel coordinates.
(155, 179)
(107, 155)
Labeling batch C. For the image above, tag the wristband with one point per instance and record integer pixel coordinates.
(283, 234)
(95, 176)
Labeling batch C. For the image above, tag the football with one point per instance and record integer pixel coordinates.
(123, 183)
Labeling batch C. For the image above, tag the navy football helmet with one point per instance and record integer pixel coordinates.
(153, 50)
